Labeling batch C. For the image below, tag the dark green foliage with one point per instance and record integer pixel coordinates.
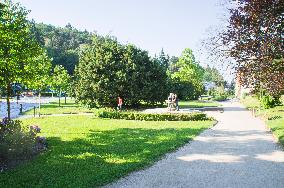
(63, 44)
(152, 117)
(108, 69)
(184, 90)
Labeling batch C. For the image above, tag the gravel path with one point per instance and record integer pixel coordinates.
(237, 152)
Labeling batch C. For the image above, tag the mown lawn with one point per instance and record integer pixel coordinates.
(274, 117)
(197, 104)
(53, 108)
(88, 152)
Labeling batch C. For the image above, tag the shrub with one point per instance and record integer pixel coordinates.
(17, 141)
(268, 101)
(196, 116)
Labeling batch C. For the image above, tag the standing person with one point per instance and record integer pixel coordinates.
(119, 103)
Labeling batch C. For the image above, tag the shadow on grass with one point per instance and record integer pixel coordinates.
(98, 158)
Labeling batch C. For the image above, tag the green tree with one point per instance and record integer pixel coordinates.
(60, 81)
(190, 72)
(41, 73)
(18, 48)
(62, 44)
(213, 75)
(108, 69)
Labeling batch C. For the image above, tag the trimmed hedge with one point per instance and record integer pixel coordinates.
(195, 116)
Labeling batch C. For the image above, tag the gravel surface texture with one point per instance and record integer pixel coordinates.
(238, 152)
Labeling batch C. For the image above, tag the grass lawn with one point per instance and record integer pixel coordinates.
(88, 152)
(197, 104)
(53, 108)
(274, 117)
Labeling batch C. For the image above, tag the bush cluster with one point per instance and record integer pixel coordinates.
(17, 141)
(196, 116)
(268, 101)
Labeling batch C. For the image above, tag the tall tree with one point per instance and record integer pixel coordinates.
(18, 48)
(189, 72)
(255, 40)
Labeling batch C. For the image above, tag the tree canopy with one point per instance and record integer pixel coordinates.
(255, 40)
(108, 69)
(19, 47)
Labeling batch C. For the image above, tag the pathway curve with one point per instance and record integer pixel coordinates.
(237, 152)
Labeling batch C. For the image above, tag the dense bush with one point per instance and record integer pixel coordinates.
(17, 141)
(268, 101)
(108, 69)
(196, 116)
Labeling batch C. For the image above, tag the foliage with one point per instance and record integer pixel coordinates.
(268, 101)
(62, 44)
(213, 75)
(98, 151)
(41, 69)
(255, 40)
(60, 80)
(108, 69)
(187, 81)
(152, 117)
(219, 93)
(19, 47)
(16, 142)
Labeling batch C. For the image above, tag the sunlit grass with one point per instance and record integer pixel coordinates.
(88, 152)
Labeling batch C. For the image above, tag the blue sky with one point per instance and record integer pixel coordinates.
(150, 24)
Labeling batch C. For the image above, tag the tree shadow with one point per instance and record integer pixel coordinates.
(100, 158)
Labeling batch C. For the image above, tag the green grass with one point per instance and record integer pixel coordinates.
(274, 117)
(88, 152)
(197, 104)
(53, 108)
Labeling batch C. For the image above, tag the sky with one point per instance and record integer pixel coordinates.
(149, 24)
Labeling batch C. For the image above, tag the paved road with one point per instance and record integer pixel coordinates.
(27, 104)
(237, 152)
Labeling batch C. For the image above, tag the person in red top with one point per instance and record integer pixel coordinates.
(119, 103)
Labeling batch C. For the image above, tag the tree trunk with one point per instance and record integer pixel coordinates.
(8, 100)
(65, 97)
(39, 104)
(59, 96)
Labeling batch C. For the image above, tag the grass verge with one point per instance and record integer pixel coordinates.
(88, 152)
